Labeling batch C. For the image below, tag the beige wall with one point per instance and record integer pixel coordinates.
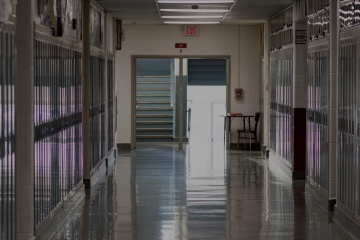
(212, 40)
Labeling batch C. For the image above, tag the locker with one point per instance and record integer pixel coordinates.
(281, 107)
(58, 157)
(348, 105)
(281, 30)
(7, 133)
(110, 105)
(317, 114)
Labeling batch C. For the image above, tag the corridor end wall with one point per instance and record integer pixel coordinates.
(213, 40)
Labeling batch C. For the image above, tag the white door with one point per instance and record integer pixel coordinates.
(217, 122)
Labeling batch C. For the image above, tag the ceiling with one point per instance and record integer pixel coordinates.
(147, 11)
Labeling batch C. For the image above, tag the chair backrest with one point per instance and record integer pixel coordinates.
(256, 118)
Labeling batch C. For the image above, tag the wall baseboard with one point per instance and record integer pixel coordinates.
(98, 172)
(123, 146)
(321, 199)
(347, 222)
(244, 146)
(111, 157)
(264, 149)
(59, 214)
(286, 169)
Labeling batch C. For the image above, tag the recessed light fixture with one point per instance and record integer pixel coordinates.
(209, 16)
(179, 22)
(196, 2)
(196, 10)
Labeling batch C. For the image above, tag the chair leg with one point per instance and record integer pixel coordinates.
(256, 143)
(250, 140)
(237, 148)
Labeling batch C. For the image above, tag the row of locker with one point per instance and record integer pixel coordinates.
(348, 128)
(281, 30)
(97, 110)
(281, 81)
(95, 225)
(7, 135)
(110, 82)
(319, 17)
(58, 169)
(281, 98)
(349, 13)
(57, 82)
(281, 118)
(317, 5)
(281, 40)
(282, 21)
(319, 25)
(58, 122)
(317, 115)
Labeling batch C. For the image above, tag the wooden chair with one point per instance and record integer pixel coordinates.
(256, 118)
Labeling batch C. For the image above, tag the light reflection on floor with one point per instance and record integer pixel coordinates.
(202, 192)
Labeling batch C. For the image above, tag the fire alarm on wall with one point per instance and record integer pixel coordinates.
(191, 30)
(238, 93)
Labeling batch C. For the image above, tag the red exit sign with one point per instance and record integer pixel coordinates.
(191, 30)
(180, 45)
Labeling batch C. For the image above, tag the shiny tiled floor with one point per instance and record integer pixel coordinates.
(202, 192)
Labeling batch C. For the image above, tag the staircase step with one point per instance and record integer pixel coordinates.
(154, 133)
(154, 136)
(155, 123)
(154, 116)
(162, 79)
(150, 85)
(154, 109)
(153, 76)
(154, 113)
(154, 102)
(150, 98)
(154, 129)
(144, 91)
(153, 89)
(153, 95)
(151, 126)
(154, 105)
(153, 82)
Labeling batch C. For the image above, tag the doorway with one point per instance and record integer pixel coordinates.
(154, 99)
(206, 95)
(178, 97)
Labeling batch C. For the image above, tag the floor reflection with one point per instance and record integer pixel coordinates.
(202, 192)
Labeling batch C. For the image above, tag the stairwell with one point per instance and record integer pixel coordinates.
(154, 113)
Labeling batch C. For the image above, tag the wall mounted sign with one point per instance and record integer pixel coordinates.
(180, 45)
(191, 30)
(301, 37)
(118, 34)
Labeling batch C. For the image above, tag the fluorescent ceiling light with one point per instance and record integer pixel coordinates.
(192, 16)
(178, 22)
(196, 2)
(196, 10)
